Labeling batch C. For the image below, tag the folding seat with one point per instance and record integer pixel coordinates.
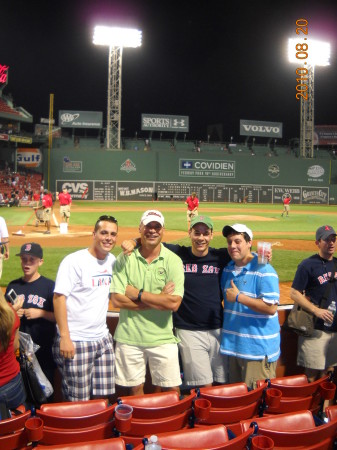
(231, 395)
(214, 437)
(298, 393)
(102, 444)
(75, 414)
(158, 405)
(295, 430)
(138, 428)
(12, 431)
(295, 385)
(13, 424)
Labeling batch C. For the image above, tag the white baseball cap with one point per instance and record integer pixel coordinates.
(237, 227)
(152, 215)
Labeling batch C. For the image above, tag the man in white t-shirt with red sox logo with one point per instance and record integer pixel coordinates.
(83, 349)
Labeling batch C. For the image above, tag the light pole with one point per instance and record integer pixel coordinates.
(307, 53)
(116, 39)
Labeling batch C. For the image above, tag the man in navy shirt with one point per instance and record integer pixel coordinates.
(318, 353)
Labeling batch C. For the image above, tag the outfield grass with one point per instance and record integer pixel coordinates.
(304, 220)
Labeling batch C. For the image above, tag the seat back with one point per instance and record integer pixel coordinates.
(201, 438)
(74, 409)
(287, 429)
(102, 444)
(300, 420)
(75, 415)
(15, 423)
(18, 439)
(55, 436)
(153, 406)
(231, 395)
(295, 385)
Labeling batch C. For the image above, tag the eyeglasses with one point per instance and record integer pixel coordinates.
(108, 219)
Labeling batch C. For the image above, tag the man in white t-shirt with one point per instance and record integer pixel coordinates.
(4, 242)
(83, 348)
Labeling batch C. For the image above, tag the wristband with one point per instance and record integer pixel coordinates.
(139, 298)
(237, 298)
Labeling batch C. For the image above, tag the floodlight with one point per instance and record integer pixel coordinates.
(309, 52)
(117, 37)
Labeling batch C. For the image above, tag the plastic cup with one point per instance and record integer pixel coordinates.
(123, 411)
(262, 249)
(123, 417)
(262, 443)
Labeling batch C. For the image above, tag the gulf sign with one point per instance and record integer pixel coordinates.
(29, 157)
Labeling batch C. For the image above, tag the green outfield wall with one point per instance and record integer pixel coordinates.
(220, 176)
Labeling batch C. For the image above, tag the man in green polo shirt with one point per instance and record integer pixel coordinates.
(147, 286)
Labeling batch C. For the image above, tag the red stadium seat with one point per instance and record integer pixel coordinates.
(213, 437)
(295, 430)
(158, 405)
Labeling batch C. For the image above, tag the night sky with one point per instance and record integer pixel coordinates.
(214, 61)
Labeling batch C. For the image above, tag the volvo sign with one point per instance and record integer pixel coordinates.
(261, 129)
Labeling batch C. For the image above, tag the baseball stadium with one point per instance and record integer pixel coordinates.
(242, 181)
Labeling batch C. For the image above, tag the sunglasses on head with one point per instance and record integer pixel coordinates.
(108, 219)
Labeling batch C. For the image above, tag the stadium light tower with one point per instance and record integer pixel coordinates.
(115, 38)
(307, 53)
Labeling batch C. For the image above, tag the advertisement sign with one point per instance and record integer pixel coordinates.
(80, 119)
(43, 130)
(206, 168)
(21, 139)
(78, 189)
(325, 135)
(160, 122)
(3, 75)
(261, 129)
(71, 166)
(29, 157)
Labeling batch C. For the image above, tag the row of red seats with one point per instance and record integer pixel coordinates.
(221, 417)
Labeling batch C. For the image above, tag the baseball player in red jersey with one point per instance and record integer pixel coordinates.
(286, 207)
(47, 205)
(192, 203)
(65, 203)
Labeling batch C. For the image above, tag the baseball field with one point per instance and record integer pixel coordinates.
(293, 237)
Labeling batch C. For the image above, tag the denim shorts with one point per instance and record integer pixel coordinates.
(13, 393)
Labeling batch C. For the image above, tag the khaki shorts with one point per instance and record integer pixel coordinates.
(317, 352)
(201, 358)
(249, 371)
(65, 211)
(191, 214)
(131, 361)
(46, 214)
(286, 207)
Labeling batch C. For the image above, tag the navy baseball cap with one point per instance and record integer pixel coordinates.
(31, 248)
(324, 232)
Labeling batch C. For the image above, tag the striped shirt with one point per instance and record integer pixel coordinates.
(246, 333)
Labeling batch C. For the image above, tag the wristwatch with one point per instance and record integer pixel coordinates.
(139, 298)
